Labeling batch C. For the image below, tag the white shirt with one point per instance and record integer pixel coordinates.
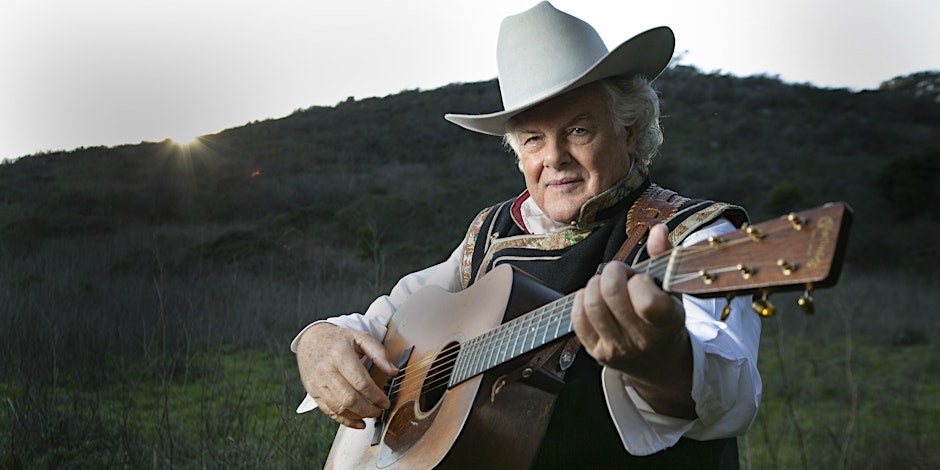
(726, 386)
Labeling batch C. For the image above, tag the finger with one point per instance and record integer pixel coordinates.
(654, 306)
(376, 352)
(346, 419)
(658, 241)
(582, 326)
(605, 330)
(342, 402)
(613, 289)
(360, 393)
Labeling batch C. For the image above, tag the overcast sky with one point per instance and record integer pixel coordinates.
(107, 72)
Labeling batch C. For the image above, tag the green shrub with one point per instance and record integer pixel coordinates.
(912, 183)
(786, 196)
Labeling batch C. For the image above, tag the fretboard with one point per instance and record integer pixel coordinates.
(513, 339)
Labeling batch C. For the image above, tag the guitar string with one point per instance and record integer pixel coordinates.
(655, 266)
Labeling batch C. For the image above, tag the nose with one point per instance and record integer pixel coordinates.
(557, 154)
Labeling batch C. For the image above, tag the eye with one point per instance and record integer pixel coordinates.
(531, 140)
(579, 134)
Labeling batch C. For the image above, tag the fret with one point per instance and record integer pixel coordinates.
(463, 358)
(455, 376)
(551, 320)
(518, 333)
(480, 351)
(515, 340)
(494, 346)
(474, 349)
(563, 311)
(547, 326)
(530, 321)
(490, 351)
(501, 346)
(534, 329)
(471, 348)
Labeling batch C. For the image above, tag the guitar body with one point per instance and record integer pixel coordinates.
(483, 422)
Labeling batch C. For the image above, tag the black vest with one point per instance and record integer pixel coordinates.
(581, 433)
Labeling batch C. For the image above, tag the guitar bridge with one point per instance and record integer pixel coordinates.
(391, 391)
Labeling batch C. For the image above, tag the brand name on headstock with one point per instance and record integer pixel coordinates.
(819, 243)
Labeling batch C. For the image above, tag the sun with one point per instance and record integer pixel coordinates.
(184, 140)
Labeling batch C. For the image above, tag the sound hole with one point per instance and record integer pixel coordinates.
(435, 384)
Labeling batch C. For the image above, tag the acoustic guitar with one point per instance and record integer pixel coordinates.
(472, 391)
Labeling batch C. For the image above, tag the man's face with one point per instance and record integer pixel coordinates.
(570, 151)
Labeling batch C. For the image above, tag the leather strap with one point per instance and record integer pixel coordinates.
(655, 206)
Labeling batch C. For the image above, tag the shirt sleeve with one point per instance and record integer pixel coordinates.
(726, 386)
(374, 321)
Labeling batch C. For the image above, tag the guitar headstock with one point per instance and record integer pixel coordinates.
(799, 251)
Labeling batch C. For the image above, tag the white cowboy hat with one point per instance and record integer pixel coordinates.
(543, 52)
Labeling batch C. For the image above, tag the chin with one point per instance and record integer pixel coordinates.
(564, 218)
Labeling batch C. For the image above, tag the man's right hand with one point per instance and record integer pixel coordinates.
(331, 369)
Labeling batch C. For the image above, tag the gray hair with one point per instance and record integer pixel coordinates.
(632, 102)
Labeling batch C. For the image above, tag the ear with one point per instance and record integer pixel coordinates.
(631, 136)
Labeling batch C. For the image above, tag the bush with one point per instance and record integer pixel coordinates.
(786, 196)
(912, 183)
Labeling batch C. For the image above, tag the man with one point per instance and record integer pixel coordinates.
(657, 382)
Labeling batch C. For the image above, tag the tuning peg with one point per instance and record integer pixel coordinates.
(716, 242)
(806, 301)
(755, 233)
(763, 306)
(707, 277)
(797, 221)
(725, 312)
(785, 267)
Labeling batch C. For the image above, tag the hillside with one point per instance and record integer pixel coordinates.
(153, 265)
(755, 141)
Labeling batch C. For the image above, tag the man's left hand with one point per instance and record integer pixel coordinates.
(625, 321)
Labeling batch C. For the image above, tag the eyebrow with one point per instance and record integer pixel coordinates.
(576, 119)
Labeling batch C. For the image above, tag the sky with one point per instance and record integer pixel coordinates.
(83, 73)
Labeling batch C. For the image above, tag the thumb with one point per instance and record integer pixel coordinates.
(376, 352)
(658, 241)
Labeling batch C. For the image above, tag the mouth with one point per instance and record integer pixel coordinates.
(563, 183)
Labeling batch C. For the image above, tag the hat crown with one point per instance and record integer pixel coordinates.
(541, 49)
(543, 53)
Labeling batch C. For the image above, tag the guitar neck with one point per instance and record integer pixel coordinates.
(797, 251)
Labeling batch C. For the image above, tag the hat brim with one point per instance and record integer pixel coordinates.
(646, 54)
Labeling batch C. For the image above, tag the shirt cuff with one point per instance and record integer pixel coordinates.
(309, 404)
(641, 429)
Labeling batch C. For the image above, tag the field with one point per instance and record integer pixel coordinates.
(192, 370)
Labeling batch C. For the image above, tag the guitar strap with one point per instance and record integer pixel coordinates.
(654, 206)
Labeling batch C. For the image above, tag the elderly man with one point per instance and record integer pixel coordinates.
(655, 380)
